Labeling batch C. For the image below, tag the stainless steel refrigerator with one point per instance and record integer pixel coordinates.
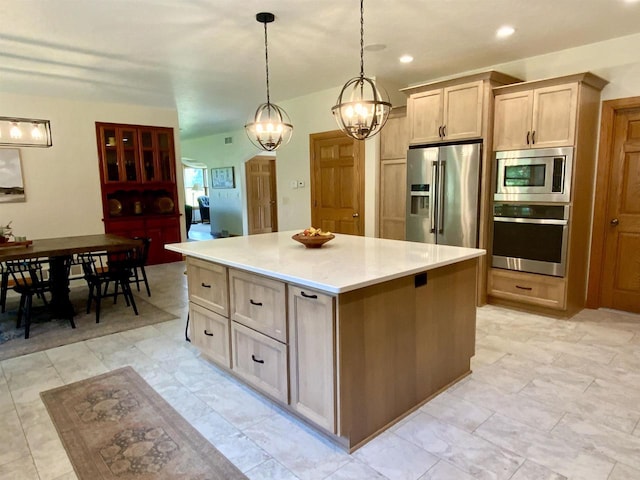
(443, 184)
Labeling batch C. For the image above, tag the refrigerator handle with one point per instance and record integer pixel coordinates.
(441, 197)
(434, 193)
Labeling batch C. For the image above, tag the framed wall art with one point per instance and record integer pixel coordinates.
(11, 181)
(223, 178)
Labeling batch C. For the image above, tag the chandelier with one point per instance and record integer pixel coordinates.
(270, 127)
(362, 108)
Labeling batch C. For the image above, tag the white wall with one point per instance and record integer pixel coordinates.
(62, 183)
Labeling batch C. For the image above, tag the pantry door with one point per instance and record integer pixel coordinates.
(615, 270)
(337, 183)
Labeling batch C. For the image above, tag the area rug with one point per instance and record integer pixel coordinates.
(46, 334)
(116, 426)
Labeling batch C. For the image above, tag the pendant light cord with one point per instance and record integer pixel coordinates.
(266, 60)
(361, 38)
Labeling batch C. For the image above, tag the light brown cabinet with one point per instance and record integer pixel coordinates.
(260, 360)
(394, 142)
(528, 288)
(210, 333)
(311, 347)
(259, 303)
(538, 118)
(208, 285)
(449, 113)
(555, 112)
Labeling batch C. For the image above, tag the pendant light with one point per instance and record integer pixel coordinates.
(270, 127)
(362, 108)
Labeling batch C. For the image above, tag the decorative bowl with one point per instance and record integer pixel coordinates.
(313, 242)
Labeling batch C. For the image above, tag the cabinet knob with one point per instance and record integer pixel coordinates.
(615, 222)
(355, 215)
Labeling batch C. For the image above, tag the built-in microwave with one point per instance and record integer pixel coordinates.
(535, 175)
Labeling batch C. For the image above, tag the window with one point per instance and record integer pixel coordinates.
(195, 184)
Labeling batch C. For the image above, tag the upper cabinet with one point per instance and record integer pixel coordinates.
(135, 154)
(456, 109)
(536, 118)
(449, 113)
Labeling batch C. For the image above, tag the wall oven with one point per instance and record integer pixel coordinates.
(534, 175)
(530, 238)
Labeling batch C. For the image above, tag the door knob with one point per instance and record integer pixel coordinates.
(615, 222)
(355, 215)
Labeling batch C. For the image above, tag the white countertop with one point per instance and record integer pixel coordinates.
(345, 263)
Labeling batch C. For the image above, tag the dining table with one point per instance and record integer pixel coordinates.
(59, 252)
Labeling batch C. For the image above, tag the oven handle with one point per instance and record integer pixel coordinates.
(537, 221)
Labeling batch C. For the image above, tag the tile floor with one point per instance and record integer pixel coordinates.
(548, 400)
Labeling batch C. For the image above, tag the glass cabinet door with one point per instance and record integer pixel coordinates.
(148, 160)
(165, 156)
(130, 155)
(111, 164)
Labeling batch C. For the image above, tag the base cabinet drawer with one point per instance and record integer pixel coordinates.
(528, 288)
(259, 303)
(260, 360)
(210, 333)
(208, 285)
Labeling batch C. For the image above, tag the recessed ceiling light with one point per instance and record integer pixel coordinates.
(505, 31)
(375, 47)
(406, 59)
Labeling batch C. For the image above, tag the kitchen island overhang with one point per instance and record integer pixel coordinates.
(367, 329)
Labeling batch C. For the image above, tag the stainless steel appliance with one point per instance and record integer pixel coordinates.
(535, 175)
(530, 238)
(442, 194)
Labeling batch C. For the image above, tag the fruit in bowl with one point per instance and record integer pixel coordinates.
(313, 237)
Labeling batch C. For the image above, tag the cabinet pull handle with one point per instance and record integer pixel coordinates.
(257, 304)
(207, 333)
(205, 285)
(533, 138)
(444, 131)
(528, 134)
(440, 131)
(524, 288)
(253, 357)
(305, 295)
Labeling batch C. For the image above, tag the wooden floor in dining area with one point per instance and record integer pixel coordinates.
(548, 399)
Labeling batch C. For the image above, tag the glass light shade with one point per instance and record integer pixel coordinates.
(270, 127)
(362, 108)
(25, 132)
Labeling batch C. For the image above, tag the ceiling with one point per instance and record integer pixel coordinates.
(206, 57)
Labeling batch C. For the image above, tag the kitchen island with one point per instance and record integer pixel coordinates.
(350, 337)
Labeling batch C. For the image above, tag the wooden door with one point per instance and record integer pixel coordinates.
(554, 116)
(618, 211)
(463, 111)
(512, 120)
(337, 183)
(261, 195)
(425, 116)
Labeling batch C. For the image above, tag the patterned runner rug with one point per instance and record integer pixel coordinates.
(116, 426)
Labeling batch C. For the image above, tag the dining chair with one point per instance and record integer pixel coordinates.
(139, 259)
(4, 286)
(29, 282)
(105, 268)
